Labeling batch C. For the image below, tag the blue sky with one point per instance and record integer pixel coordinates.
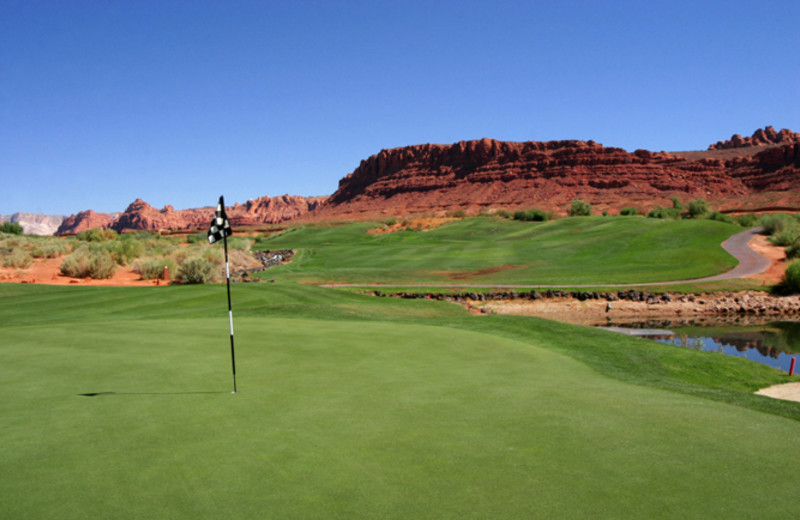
(177, 102)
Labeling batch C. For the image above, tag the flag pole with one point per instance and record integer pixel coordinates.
(230, 309)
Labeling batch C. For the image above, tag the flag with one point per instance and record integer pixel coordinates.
(220, 227)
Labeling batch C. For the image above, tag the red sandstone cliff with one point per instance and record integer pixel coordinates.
(482, 174)
(82, 221)
(142, 216)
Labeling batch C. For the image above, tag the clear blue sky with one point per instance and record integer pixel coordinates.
(177, 102)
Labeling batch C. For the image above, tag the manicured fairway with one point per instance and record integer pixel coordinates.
(582, 250)
(359, 407)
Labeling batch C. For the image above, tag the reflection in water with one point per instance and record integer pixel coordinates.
(770, 343)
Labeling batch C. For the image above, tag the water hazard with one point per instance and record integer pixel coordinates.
(772, 343)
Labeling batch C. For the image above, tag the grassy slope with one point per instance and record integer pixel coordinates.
(359, 407)
(584, 250)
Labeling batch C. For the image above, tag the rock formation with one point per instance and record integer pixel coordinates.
(84, 220)
(140, 215)
(35, 223)
(761, 137)
(484, 174)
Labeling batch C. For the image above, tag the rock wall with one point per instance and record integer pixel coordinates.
(474, 175)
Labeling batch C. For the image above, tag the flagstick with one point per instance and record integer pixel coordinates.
(230, 309)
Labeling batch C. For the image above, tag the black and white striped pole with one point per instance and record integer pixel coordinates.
(230, 310)
(221, 228)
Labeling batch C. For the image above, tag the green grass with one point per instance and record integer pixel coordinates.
(569, 251)
(359, 407)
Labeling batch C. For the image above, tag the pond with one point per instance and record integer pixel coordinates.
(772, 343)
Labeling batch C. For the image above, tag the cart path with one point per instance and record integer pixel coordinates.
(750, 263)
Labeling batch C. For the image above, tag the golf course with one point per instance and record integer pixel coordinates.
(117, 401)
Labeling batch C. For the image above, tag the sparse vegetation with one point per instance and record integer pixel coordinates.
(629, 211)
(195, 270)
(15, 257)
(97, 235)
(83, 263)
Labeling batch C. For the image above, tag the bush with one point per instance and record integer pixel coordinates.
(697, 208)
(721, 217)
(748, 220)
(666, 213)
(629, 211)
(676, 203)
(791, 279)
(97, 235)
(775, 223)
(83, 263)
(49, 250)
(153, 268)
(195, 270)
(18, 258)
(126, 250)
(793, 251)
(580, 208)
(12, 228)
(532, 215)
(785, 237)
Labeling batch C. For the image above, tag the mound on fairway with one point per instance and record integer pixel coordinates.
(116, 404)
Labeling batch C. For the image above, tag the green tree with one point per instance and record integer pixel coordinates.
(12, 228)
(697, 208)
(580, 208)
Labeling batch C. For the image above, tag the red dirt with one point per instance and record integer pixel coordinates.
(47, 272)
(777, 256)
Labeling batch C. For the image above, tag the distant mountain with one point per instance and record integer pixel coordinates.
(34, 223)
(140, 215)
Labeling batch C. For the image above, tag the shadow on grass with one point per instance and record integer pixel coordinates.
(96, 394)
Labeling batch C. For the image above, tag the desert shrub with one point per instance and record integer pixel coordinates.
(12, 228)
(15, 257)
(791, 279)
(240, 243)
(391, 221)
(532, 215)
(748, 220)
(776, 222)
(786, 236)
(153, 268)
(459, 213)
(665, 213)
(697, 208)
(503, 213)
(721, 217)
(676, 203)
(197, 238)
(97, 235)
(97, 264)
(195, 270)
(793, 250)
(579, 208)
(49, 250)
(126, 250)
(629, 211)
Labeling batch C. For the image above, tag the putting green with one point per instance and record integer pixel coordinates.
(396, 417)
